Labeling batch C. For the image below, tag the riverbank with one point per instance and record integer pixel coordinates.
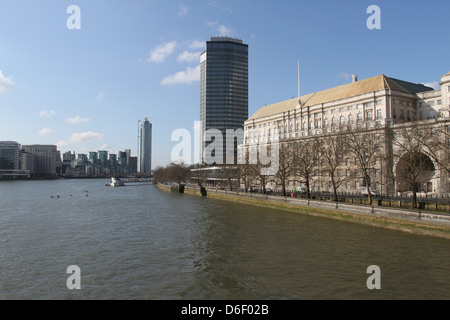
(410, 221)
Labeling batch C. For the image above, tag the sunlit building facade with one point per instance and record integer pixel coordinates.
(376, 106)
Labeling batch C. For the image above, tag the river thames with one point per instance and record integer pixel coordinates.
(138, 242)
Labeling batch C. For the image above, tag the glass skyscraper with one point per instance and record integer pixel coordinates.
(146, 147)
(223, 90)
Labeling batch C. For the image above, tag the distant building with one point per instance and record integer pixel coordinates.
(93, 157)
(28, 162)
(10, 161)
(133, 163)
(223, 89)
(103, 157)
(128, 155)
(10, 154)
(46, 159)
(68, 156)
(146, 147)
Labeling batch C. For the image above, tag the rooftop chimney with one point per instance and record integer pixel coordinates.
(354, 77)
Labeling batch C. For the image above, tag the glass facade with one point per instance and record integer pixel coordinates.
(10, 153)
(223, 88)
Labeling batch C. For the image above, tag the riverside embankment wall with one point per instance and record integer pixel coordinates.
(413, 221)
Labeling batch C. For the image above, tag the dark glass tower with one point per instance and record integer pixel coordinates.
(146, 147)
(223, 89)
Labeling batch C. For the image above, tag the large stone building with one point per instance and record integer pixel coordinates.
(380, 108)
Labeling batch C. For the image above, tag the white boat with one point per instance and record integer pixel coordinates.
(115, 183)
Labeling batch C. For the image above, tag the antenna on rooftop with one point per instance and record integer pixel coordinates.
(299, 99)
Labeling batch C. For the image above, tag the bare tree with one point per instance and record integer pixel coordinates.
(229, 173)
(436, 141)
(414, 167)
(286, 168)
(199, 174)
(306, 158)
(332, 152)
(367, 149)
(247, 172)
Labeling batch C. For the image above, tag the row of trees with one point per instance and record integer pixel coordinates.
(408, 155)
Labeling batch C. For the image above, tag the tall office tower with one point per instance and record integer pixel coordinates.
(223, 92)
(146, 147)
(10, 154)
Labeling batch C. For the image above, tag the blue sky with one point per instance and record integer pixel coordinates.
(86, 89)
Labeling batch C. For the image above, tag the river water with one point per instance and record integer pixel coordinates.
(138, 242)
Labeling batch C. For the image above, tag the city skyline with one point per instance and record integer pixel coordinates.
(87, 89)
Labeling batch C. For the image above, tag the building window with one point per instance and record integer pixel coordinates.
(379, 114)
(359, 117)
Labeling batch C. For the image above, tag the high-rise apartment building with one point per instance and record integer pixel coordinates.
(223, 90)
(146, 147)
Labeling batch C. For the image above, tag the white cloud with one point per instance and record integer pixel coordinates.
(197, 44)
(47, 114)
(80, 137)
(183, 10)
(99, 96)
(227, 10)
(187, 56)
(77, 119)
(435, 85)
(183, 77)
(222, 29)
(161, 52)
(345, 75)
(5, 83)
(46, 132)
